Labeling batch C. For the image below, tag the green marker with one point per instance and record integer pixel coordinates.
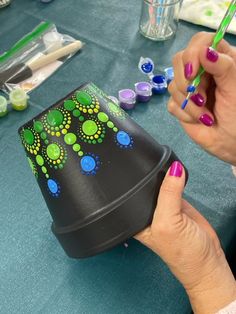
(217, 38)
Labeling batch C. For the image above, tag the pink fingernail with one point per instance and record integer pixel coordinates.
(188, 70)
(206, 119)
(212, 55)
(198, 99)
(176, 169)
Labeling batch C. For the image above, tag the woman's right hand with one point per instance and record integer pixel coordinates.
(210, 116)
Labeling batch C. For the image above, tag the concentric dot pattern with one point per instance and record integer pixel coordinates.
(30, 140)
(33, 167)
(89, 164)
(53, 187)
(55, 155)
(92, 131)
(85, 102)
(124, 140)
(57, 122)
(115, 110)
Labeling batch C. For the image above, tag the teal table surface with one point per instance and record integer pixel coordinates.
(35, 274)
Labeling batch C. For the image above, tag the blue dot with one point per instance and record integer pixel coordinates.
(88, 163)
(123, 138)
(53, 186)
(147, 67)
(191, 89)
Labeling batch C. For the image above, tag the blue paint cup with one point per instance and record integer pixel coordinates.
(159, 84)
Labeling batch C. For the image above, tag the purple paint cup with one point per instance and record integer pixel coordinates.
(127, 98)
(143, 91)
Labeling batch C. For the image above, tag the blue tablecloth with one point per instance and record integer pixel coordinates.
(35, 274)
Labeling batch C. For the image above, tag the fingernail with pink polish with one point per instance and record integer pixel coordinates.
(198, 99)
(206, 119)
(176, 169)
(188, 70)
(212, 55)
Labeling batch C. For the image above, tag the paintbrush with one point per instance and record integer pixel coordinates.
(217, 38)
(22, 71)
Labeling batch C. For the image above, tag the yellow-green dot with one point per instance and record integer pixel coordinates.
(44, 169)
(80, 153)
(39, 160)
(89, 127)
(38, 126)
(113, 107)
(115, 129)
(103, 117)
(110, 124)
(28, 136)
(76, 147)
(76, 113)
(57, 128)
(53, 151)
(70, 138)
(55, 118)
(47, 175)
(69, 105)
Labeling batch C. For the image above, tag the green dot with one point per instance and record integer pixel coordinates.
(44, 169)
(43, 135)
(55, 167)
(57, 128)
(53, 151)
(84, 98)
(103, 117)
(89, 127)
(38, 126)
(28, 136)
(102, 135)
(76, 147)
(76, 113)
(61, 166)
(208, 12)
(55, 117)
(94, 142)
(31, 164)
(81, 118)
(113, 107)
(80, 153)
(46, 142)
(70, 138)
(39, 160)
(115, 129)
(69, 105)
(110, 124)
(99, 140)
(47, 175)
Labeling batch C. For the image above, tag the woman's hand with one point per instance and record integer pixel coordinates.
(184, 239)
(209, 118)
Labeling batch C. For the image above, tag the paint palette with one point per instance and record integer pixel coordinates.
(99, 172)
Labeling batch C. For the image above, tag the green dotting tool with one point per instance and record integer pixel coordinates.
(217, 38)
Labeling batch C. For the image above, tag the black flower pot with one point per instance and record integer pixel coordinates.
(99, 171)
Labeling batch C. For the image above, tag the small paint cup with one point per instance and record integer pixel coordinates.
(159, 84)
(143, 91)
(3, 106)
(18, 99)
(169, 74)
(52, 41)
(127, 98)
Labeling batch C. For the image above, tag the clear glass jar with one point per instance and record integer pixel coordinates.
(159, 18)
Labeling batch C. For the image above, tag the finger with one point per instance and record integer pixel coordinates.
(174, 108)
(191, 54)
(222, 67)
(170, 194)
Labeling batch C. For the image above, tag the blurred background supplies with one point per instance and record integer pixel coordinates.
(207, 13)
(35, 57)
(159, 18)
(4, 3)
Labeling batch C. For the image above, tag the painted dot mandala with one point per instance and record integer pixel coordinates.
(89, 164)
(86, 102)
(56, 122)
(30, 140)
(92, 131)
(55, 155)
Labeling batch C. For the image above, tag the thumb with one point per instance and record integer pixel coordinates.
(170, 195)
(222, 67)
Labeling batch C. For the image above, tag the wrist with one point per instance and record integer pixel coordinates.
(213, 292)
